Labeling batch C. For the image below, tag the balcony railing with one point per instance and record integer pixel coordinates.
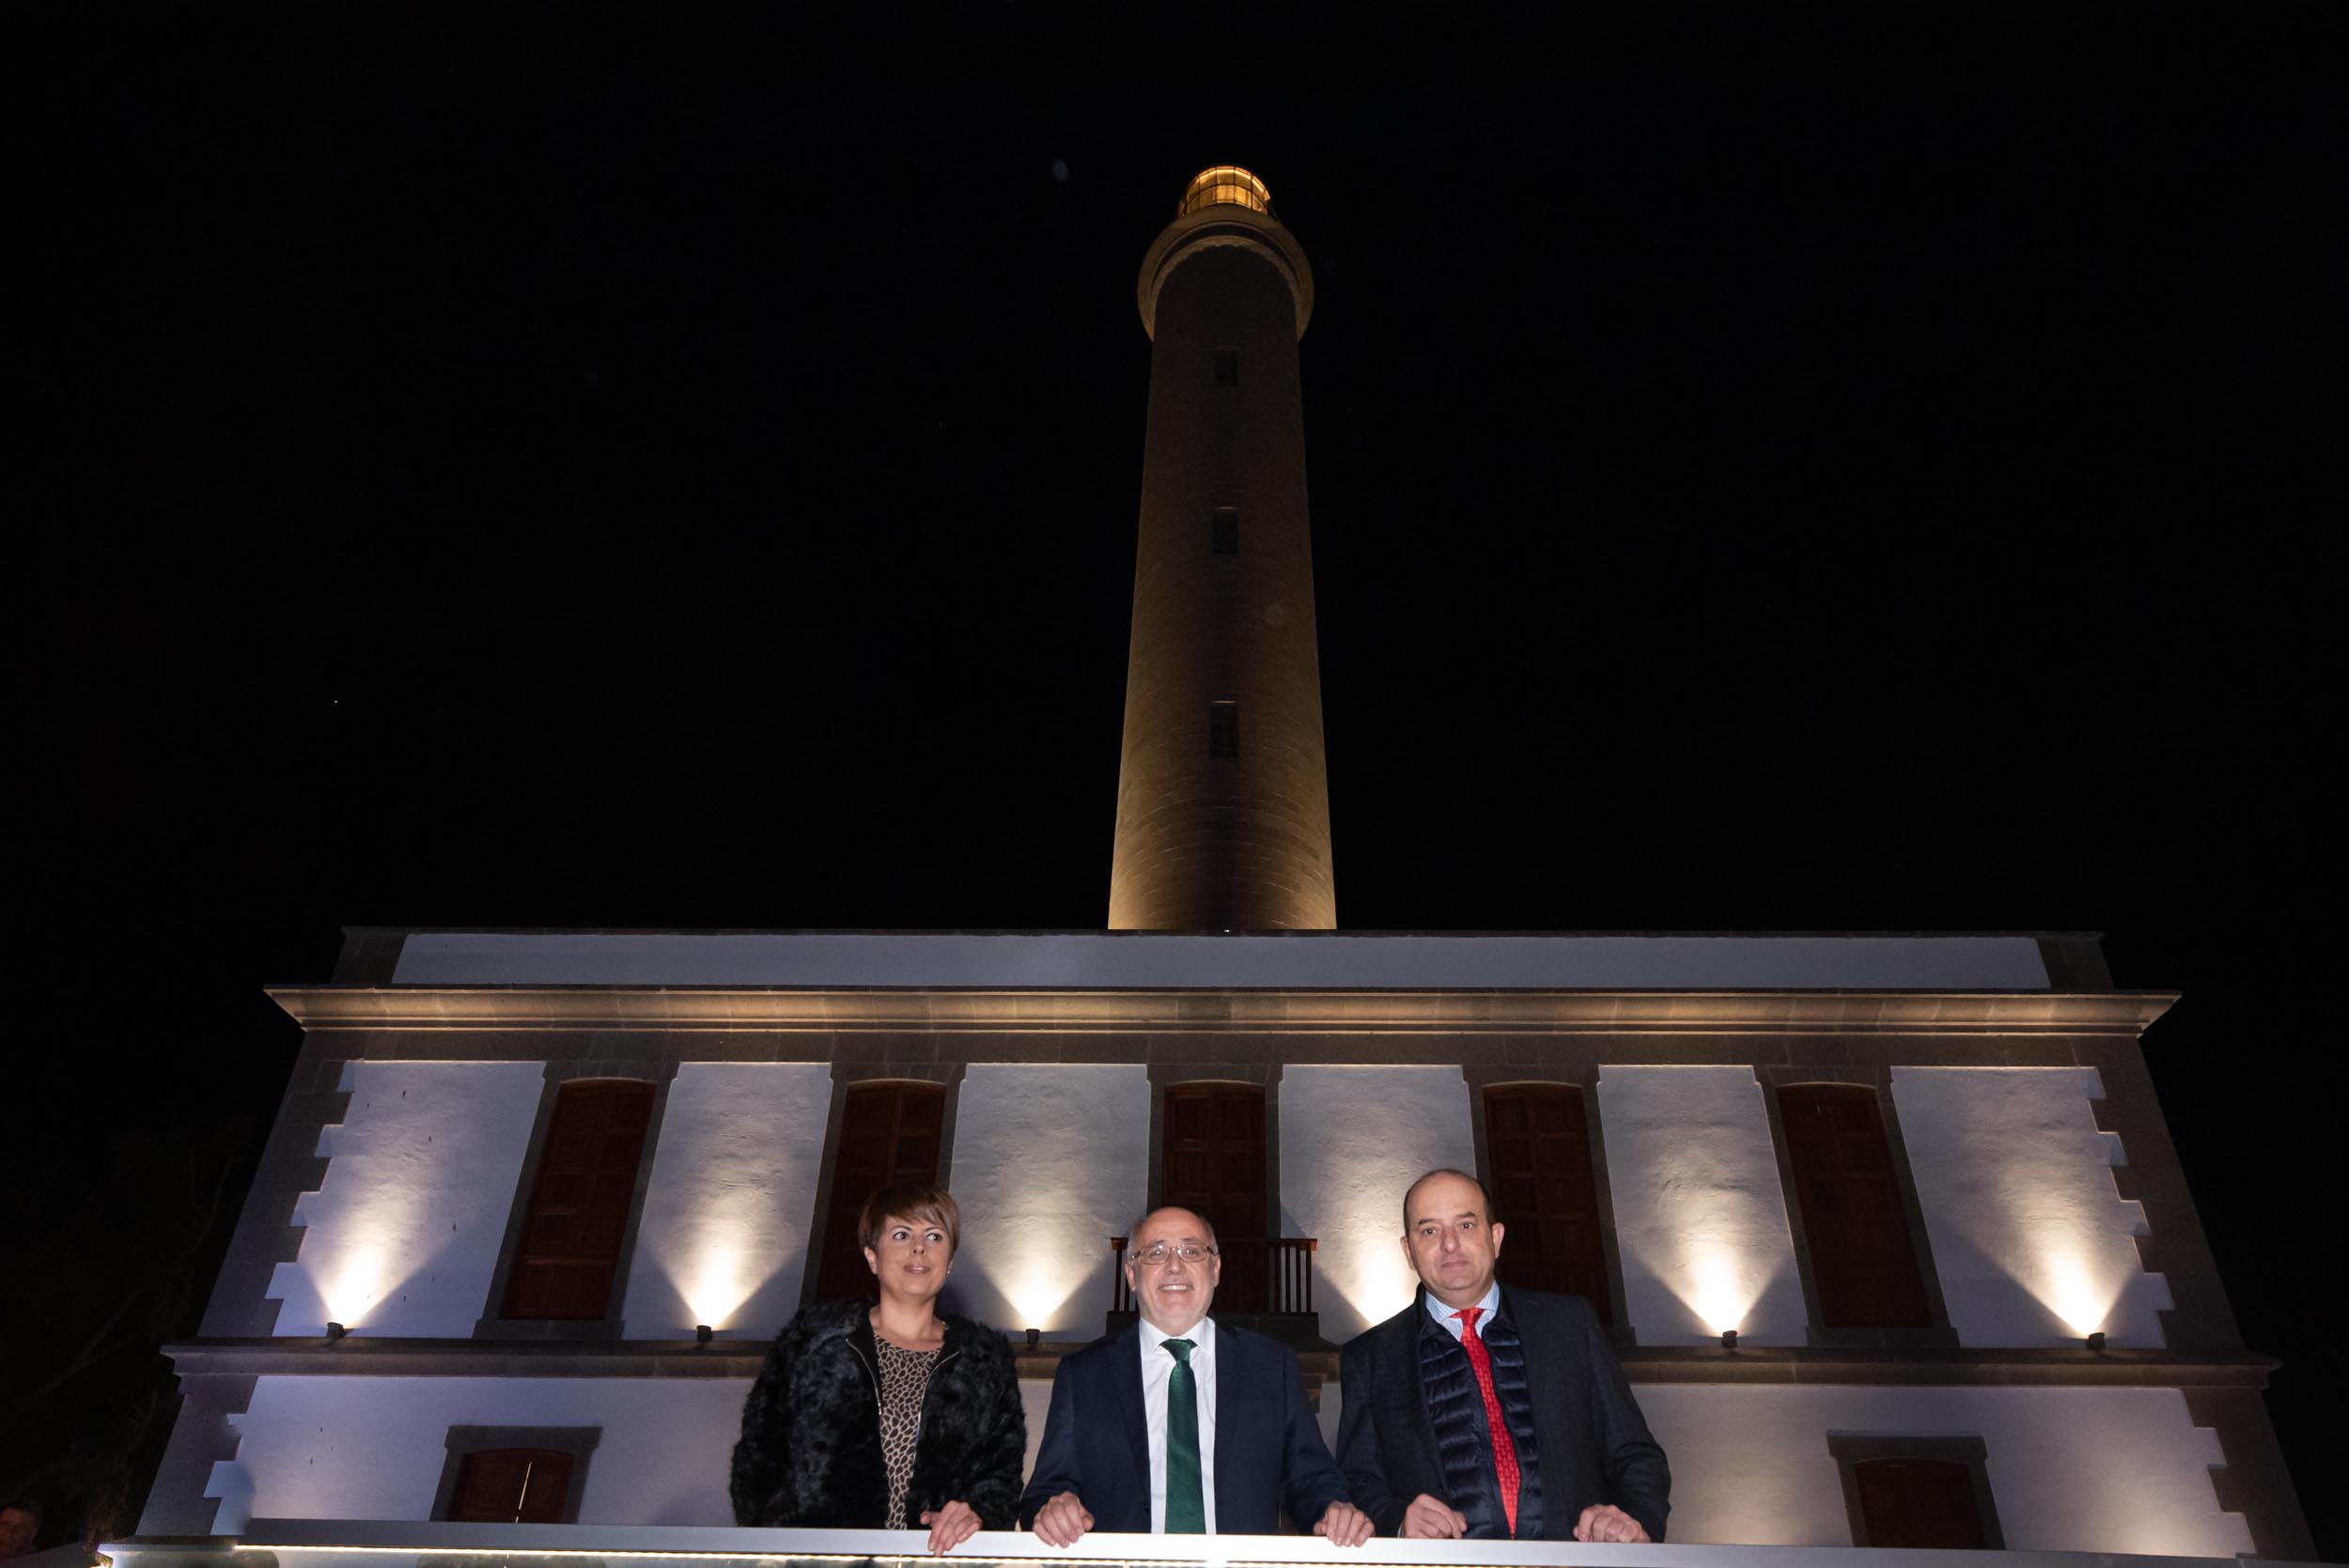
(397, 1543)
(1263, 1277)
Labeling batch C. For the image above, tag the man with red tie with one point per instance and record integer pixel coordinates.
(1491, 1413)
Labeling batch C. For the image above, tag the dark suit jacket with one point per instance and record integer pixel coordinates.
(1269, 1451)
(1594, 1445)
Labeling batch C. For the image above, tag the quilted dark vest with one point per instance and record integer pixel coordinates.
(1456, 1407)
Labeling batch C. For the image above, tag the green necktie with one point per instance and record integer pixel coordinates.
(1185, 1506)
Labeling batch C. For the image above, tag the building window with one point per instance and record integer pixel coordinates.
(1919, 1492)
(889, 1132)
(579, 1201)
(1545, 1192)
(521, 1486)
(1227, 367)
(515, 1474)
(1223, 729)
(1212, 1153)
(1225, 530)
(1863, 1262)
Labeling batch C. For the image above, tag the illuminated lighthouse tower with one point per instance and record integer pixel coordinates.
(1222, 797)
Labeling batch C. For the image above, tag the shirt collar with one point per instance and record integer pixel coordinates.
(1444, 1314)
(1201, 1335)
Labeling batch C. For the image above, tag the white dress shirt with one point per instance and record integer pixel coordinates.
(1448, 1316)
(1158, 1370)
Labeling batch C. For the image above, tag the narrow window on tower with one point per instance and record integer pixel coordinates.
(1227, 367)
(1223, 729)
(1226, 530)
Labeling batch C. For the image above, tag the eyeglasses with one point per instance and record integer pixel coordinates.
(1157, 1257)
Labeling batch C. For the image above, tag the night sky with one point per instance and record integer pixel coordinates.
(522, 471)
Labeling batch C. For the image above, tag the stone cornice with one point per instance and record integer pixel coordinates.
(892, 1010)
(742, 1359)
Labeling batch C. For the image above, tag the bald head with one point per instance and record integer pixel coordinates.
(1175, 1293)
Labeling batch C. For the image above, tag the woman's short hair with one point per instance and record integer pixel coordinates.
(919, 1200)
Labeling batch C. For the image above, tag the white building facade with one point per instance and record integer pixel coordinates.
(370, 1330)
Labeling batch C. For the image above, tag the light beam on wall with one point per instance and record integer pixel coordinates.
(1039, 1292)
(719, 1283)
(2067, 1289)
(1717, 1284)
(1375, 1281)
(357, 1281)
(721, 1264)
(366, 1257)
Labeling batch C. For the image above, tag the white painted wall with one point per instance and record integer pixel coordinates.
(1699, 1217)
(1050, 1161)
(723, 1237)
(2070, 1469)
(373, 1448)
(2034, 1244)
(402, 1236)
(1352, 1140)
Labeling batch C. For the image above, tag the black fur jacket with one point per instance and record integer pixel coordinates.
(811, 1451)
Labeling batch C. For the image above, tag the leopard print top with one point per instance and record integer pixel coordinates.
(905, 1378)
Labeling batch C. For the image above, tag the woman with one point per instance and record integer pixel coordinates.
(873, 1416)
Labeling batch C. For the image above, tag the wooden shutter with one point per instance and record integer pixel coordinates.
(888, 1132)
(1545, 1192)
(512, 1487)
(1213, 1154)
(1863, 1263)
(1920, 1502)
(578, 1202)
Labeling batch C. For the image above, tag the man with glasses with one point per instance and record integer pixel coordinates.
(1180, 1424)
(1522, 1427)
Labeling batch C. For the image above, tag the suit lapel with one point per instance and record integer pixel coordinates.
(1232, 1381)
(1544, 1369)
(1130, 1414)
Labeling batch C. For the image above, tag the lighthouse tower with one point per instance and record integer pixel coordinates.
(1222, 796)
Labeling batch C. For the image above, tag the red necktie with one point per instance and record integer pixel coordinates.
(1504, 1450)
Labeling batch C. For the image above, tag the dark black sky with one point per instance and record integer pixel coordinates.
(529, 471)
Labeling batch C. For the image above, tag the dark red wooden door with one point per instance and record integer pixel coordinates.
(1212, 1151)
(1863, 1262)
(1920, 1502)
(1544, 1193)
(512, 1487)
(579, 1201)
(888, 1132)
